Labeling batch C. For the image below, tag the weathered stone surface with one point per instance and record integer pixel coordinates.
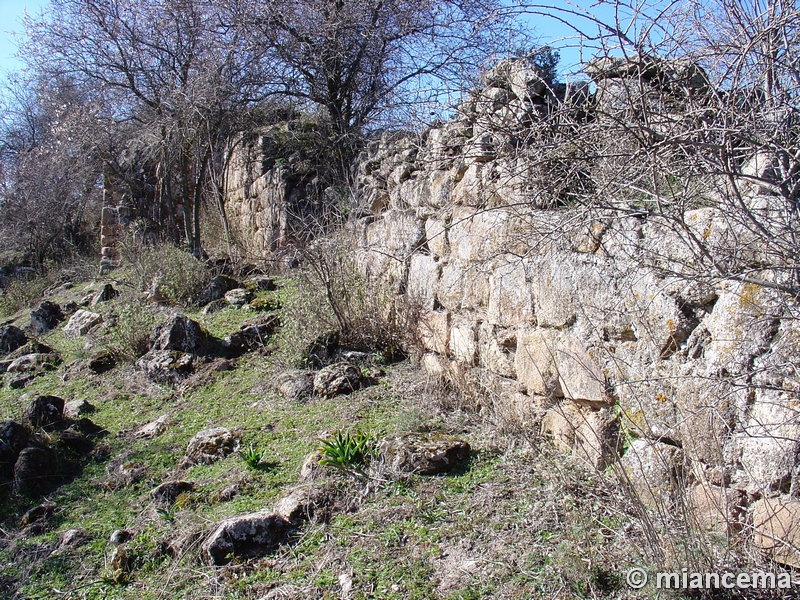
(377, 264)
(727, 242)
(596, 436)
(304, 503)
(33, 362)
(339, 378)
(210, 445)
(482, 235)
(44, 411)
(450, 288)
(497, 350)
(32, 347)
(742, 325)
(260, 283)
(46, 317)
(554, 290)
(559, 424)
(179, 333)
(707, 410)
(253, 333)
(770, 440)
(433, 331)
(583, 307)
(238, 297)
(716, 508)
(399, 231)
(166, 365)
(71, 538)
(518, 412)
(104, 294)
(471, 189)
(11, 338)
(295, 385)
(584, 291)
(657, 320)
(216, 289)
(579, 376)
(776, 525)
(167, 493)
(464, 340)
(426, 454)
(81, 323)
(78, 408)
(510, 300)
(436, 235)
(34, 470)
(411, 193)
(244, 536)
(647, 393)
(153, 428)
(655, 472)
(589, 433)
(441, 186)
(778, 368)
(522, 76)
(435, 365)
(535, 361)
(423, 277)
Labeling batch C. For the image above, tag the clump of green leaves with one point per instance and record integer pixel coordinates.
(168, 514)
(347, 451)
(253, 456)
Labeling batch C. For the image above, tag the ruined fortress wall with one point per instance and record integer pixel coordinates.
(588, 325)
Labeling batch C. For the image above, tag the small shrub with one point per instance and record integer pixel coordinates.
(328, 295)
(129, 338)
(346, 451)
(305, 317)
(178, 273)
(19, 293)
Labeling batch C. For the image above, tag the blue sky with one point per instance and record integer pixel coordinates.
(11, 12)
(547, 29)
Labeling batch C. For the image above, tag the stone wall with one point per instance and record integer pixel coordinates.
(589, 326)
(274, 195)
(593, 327)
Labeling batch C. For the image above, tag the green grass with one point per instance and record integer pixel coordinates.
(527, 519)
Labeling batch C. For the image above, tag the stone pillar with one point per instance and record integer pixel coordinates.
(109, 233)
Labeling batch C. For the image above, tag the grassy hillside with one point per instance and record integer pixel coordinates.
(517, 519)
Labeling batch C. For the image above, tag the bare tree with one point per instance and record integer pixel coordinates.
(358, 60)
(49, 162)
(174, 73)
